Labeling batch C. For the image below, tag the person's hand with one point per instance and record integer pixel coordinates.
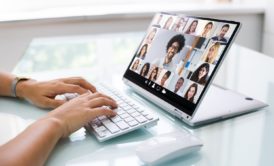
(42, 94)
(81, 110)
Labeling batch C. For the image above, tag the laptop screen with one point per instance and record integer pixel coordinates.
(178, 57)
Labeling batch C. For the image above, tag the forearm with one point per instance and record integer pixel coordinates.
(5, 83)
(32, 146)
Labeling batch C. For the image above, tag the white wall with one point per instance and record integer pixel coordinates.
(16, 35)
(268, 37)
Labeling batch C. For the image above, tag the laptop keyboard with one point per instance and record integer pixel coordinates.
(129, 117)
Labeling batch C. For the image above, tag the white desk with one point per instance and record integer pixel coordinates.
(244, 140)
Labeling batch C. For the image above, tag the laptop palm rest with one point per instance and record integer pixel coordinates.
(220, 103)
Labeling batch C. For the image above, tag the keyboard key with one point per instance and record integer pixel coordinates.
(149, 117)
(136, 107)
(101, 128)
(111, 126)
(103, 117)
(134, 114)
(103, 133)
(122, 97)
(123, 105)
(105, 121)
(120, 111)
(127, 107)
(100, 131)
(127, 101)
(116, 119)
(144, 113)
(133, 123)
(125, 115)
(131, 104)
(131, 110)
(96, 122)
(128, 119)
(119, 101)
(141, 119)
(140, 110)
(122, 125)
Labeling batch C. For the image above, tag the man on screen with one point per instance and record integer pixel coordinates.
(221, 37)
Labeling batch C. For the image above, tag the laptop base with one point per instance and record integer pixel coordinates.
(220, 103)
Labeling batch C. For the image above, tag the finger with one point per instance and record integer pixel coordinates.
(101, 111)
(85, 94)
(51, 103)
(81, 82)
(70, 88)
(102, 101)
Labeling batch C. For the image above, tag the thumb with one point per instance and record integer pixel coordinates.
(52, 103)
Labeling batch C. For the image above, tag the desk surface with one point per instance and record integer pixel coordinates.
(244, 140)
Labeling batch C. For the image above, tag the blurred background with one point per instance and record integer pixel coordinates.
(70, 34)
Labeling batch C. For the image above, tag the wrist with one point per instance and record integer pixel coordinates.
(22, 87)
(56, 125)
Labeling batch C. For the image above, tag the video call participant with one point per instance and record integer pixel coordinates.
(191, 92)
(174, 46)
(150, 36)
(180, 23)
(165, 78)
(135, 65)
(207, 29)
(192, 28)
(179, 84)
(158, 25)
(212, 53)
(154, 74)
(200, 75)
(143, 51)
(221, 36)
(145, 69)
(168, 23)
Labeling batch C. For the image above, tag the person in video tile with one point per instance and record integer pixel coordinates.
(180, 23)
(174, 46)
(165, 78)
(150, 36)
(191, 92)
(158, 23)
(154, 74)
(143, 51)
(179, 84)
(168, 23)
(145, 69)
(192, 28)
(207, 29)
(200, 75)
(221, 36)
(135, 65)
(212, 53)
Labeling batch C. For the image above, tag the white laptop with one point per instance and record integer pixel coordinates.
(176, 63)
